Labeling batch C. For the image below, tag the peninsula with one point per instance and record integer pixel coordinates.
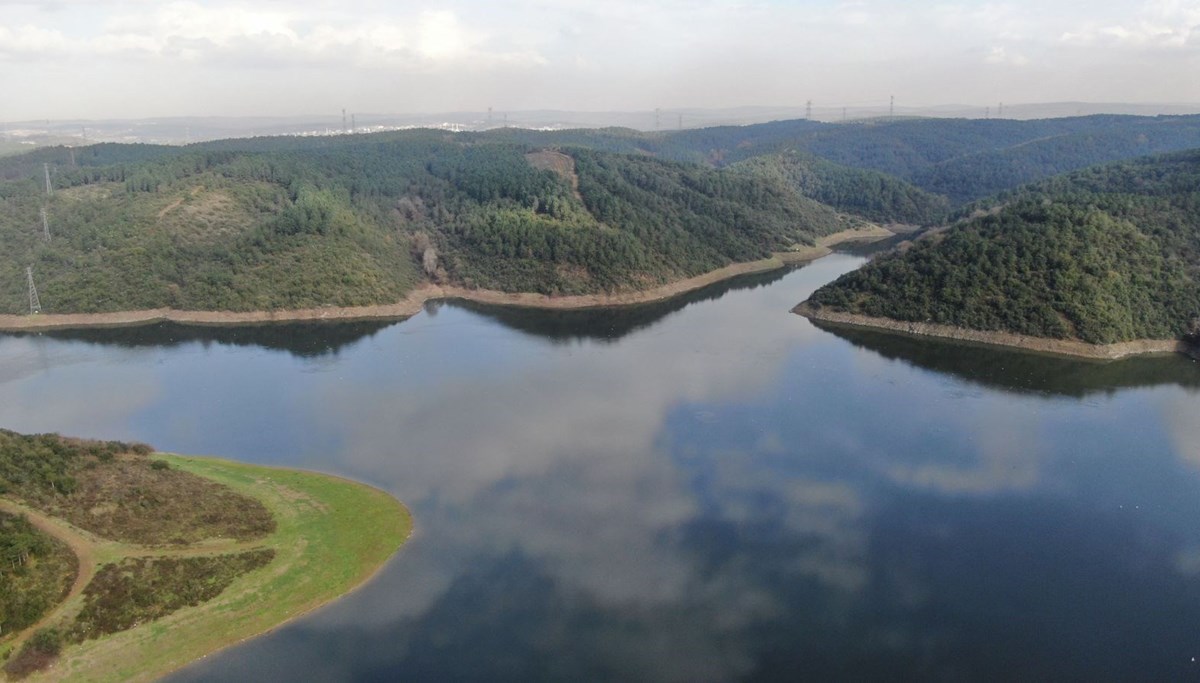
(1100, 263)
(124, 564)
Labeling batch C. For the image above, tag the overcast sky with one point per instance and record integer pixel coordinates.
(100, 58)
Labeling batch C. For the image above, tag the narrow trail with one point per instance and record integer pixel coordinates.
(88, 548)
(85, 554)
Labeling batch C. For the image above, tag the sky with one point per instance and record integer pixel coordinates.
(64, 59)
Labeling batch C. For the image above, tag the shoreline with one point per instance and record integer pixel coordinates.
(413, 303)
(319, 560)
(1055, 347)
(362, 581)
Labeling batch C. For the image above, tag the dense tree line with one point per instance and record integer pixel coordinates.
(287, 224)
(872, 195)
(1102, 255)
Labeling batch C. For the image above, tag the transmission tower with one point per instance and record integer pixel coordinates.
(808, 111)
(343, 120)
(987, 112)
(843, 114)
(45, 225)
(49, 189)
(1001, 114)
(681, 122)
(657, 114)
(892, 108)
(35, 306)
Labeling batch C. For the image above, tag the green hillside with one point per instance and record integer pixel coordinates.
(1103, 255)
(296, 223)
(962, 159)
(870, 194)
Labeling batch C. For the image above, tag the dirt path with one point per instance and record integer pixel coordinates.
(85, 553)
(88, 549)
(174, 205)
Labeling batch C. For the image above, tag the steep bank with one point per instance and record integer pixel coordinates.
(1058, 347)
(412, 304)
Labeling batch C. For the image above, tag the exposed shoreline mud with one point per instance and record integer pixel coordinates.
(412, 304)
(1058, 347)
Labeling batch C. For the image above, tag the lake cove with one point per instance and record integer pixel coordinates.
(707, 488)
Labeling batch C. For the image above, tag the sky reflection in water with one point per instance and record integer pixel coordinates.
(707, 489)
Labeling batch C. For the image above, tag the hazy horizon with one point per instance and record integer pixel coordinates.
(137, 59)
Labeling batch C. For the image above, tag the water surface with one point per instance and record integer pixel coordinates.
(707, 489)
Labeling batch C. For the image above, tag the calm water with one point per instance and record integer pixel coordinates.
(711, 489)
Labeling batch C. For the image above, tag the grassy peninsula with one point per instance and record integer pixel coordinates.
(137, 563)
(1102, 256)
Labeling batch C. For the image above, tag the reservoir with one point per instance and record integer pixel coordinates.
(706, 489)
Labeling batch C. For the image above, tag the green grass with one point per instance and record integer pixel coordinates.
(332, 535)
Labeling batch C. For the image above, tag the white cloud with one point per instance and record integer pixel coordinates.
(1161, 24)
(580, 54)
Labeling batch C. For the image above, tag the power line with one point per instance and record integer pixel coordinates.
(45, 225)
(35, 306)
(49, 189)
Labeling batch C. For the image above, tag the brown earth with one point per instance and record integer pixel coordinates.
(562, 164)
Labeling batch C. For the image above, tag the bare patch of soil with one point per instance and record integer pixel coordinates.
(562, 164)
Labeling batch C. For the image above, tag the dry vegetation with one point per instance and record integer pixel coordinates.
(562, 164)
(130, 499)
(98, 540)
(141, 589)
(116, 491)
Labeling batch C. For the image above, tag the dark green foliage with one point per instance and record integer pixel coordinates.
(1103, 255)
(637, 222)
(35, 573)
(138, 590)
(963, 159)
(287, 223)
(875, 196)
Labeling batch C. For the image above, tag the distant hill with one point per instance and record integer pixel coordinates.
(962, 159)
(1103, 255)
(306, 222)
(870, 194)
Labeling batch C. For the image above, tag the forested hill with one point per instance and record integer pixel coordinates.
(1103, 255)
(962, 159)
(873, 195)
(296, 223)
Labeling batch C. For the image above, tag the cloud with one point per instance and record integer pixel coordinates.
(1167, 24)
(272, 36)
(31, 41)
(1000, 55)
